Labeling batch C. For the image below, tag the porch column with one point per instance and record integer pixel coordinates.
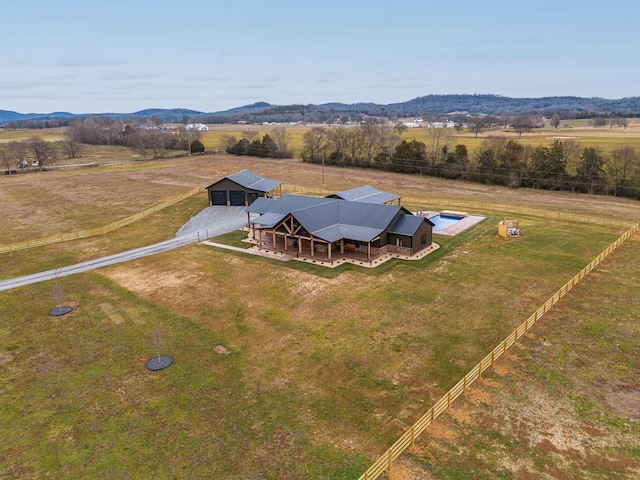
(330, 247)
(342, 246)
(260, 239)
(312, 252)
(273, 234)
(368, 251)
(285, 243)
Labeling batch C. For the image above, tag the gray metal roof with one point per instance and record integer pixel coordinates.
(248, 179)
(366, 194)
(327, 218)
(287, 204)
(407, 225)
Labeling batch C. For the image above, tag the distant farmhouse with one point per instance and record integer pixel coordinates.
(240, 189)
(357, 222)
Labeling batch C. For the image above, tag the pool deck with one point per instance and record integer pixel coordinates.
(457, 227)
(460, 226)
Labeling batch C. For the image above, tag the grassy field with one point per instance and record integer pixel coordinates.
(603, 138)
(284, 371)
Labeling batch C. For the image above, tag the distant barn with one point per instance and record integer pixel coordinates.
(241, 189)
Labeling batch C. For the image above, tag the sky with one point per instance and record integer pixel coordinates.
(96, 56)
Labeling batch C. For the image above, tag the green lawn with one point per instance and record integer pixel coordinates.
(324, 371)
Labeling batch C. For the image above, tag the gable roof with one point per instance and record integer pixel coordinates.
(366, 194)
(408, 225)
(253, 181)
(329, 219)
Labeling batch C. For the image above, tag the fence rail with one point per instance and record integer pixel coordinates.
(39, 242)
(407, 439)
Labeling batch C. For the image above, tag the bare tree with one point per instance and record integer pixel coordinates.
(250, 134)
(281, 138)
(227, 141)
(438, 140)
(622, 167)
(70, 144)
(315, 143)
(159, 339)
(572, 151)
(337, 140)
(555, 120)
(400, 128)
(371, 134)
(522, 123)
(19, 152)
(151, 138)
(478, 124)
(5, 158)
(186, 137)
(41, 151)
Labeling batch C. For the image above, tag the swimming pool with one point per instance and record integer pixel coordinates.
(441, 222)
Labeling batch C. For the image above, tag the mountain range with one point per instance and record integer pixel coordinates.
(566, 106)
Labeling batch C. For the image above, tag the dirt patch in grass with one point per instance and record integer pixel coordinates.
(622, 398)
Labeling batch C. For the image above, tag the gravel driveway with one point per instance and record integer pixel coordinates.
(208, 223)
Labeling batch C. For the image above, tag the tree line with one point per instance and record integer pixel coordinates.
(563, 165)
(18, 154)
(149, 139)
(272, 145)
(145, 136)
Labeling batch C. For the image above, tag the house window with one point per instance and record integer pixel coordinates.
(423, 239)
(398, 242)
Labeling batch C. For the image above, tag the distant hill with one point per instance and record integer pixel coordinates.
(259, 112)
(9, 116)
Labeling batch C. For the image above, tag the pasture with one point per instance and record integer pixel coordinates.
(283, 371)
(604, 138)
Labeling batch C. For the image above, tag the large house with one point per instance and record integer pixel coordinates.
(358, 221)
(240, 189)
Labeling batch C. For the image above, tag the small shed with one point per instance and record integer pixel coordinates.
(241, 189)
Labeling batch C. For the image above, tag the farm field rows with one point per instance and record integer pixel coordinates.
(280, 371)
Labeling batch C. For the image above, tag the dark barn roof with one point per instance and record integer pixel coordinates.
(251, 180)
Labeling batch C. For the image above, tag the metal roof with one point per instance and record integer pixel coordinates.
(366, 194)
(407, 225)
(327, 218)
(248, 179)
(286, 204)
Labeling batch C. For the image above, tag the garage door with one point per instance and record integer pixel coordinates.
(218, 197)
(236, 198)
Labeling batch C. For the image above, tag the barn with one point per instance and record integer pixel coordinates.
(241, 189)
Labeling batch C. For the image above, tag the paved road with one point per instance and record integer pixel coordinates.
(210, 222)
